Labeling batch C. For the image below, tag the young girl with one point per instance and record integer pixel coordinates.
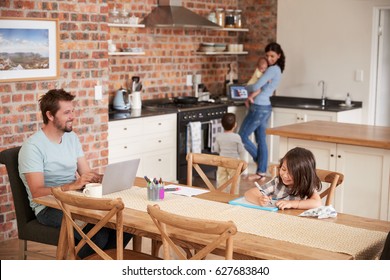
(298, 183)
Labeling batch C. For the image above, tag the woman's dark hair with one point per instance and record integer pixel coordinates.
(275, 47)
(49, 102)
(228, 121)
(301, 165)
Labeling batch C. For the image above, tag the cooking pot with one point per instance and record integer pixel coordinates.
(185, 100)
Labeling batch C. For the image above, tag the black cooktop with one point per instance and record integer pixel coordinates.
(162, 104)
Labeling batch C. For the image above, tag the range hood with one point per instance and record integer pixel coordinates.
(171, 13)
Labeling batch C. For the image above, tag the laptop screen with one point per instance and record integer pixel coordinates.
(237, 92)
(120, 176)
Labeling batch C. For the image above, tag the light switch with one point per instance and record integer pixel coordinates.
(189, 80)
(98, 92)
(359, 75)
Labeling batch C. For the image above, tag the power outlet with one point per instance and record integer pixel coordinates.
(98, 92)
(198, 79)
(189, 80)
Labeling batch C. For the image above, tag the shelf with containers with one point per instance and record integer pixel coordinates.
(124, 53)
(220, 53)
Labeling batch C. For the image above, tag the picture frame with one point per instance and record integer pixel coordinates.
(29, 49)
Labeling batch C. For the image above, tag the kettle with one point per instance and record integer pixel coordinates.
(121, 101)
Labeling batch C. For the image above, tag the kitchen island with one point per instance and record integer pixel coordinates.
(360, 152)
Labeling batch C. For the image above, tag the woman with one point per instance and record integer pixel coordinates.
(260, 110)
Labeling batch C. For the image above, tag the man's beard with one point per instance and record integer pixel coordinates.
(64, 128)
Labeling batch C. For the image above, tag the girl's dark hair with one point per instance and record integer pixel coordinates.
(50, 102)
(301, 165)
(275, 47)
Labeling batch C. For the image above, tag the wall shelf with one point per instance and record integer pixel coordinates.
(236, 29)
(126, 25)
(125, 53)
(221, 53)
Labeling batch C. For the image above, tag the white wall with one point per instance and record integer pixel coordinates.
(327, 40)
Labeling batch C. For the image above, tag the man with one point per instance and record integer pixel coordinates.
(53, 157)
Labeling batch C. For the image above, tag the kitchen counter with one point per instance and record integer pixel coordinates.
(343, 133)
(132, 114)
(331, 105)
(276, 101)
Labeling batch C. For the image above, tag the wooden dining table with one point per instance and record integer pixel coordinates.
(249, 245)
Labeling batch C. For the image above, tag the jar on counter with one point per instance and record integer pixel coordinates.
(220, 13)
(229, 19)
(237, 19)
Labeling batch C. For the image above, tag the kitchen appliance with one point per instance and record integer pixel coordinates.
(171, 13)
(121, 101)
(204, 112)
(136, 102)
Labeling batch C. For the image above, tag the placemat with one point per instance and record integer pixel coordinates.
(359, 243)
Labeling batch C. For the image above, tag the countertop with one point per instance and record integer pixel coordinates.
(276, 101)
(334, 132)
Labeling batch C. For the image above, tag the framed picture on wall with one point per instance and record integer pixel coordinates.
(28, 49)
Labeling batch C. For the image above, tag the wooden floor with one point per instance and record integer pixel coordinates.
(9, 248)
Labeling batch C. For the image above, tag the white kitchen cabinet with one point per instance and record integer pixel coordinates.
(286, 116)
(365, 190)
(152, 139)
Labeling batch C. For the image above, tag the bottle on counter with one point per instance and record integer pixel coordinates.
(348, 100)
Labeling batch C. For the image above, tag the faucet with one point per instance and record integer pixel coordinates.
(323, 92)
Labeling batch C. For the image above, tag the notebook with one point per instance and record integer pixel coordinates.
(245, 203)
(119, 176)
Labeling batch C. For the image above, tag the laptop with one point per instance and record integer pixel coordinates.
(237, 93)
(119, 176)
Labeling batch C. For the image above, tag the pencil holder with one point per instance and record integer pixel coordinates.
(153, 192)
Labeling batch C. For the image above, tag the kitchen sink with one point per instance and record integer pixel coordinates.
(309, 106)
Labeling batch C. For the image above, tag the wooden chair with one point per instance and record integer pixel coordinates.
(195, 160)
(29, 229)
(385, 255)
(168, 224)
(111, 208)
(332, 178)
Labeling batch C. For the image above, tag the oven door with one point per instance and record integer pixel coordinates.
(206, 148)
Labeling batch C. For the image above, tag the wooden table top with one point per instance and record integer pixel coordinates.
(335, 132)
(246, 246)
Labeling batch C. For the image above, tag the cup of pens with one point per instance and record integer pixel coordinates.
(155, 189)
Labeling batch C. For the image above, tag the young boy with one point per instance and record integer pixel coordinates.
(228, 144)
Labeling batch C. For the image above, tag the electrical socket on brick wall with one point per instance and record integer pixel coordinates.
(98, 92)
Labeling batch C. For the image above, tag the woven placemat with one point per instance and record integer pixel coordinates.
(359, 243)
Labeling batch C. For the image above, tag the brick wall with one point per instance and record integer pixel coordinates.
(84, 60)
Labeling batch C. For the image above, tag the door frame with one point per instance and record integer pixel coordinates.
(374, 64)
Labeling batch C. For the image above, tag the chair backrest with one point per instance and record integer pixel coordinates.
(28, 226)
(332, 178)
(217, 231)
(110, 207)
(385, 255)
(194, 160)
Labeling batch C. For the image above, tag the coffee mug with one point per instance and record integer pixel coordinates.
(93, 190)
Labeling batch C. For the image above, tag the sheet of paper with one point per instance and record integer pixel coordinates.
(186, 191)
